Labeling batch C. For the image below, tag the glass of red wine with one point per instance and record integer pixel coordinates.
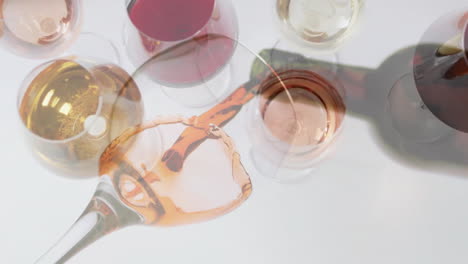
(154, 26)
(430, 103)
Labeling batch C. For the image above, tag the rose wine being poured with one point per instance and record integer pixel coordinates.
(162, 24)
(136, 187)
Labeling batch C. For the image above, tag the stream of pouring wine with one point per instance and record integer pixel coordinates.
(219, 115)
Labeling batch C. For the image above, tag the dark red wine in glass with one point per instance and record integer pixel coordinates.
(210, 25)
(441, 69)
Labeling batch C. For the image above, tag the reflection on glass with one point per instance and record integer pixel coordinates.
(410, 116)
(39, 28)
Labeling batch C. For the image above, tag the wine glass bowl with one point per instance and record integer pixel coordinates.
(410, 117)
(66, 106)
(441, 69)
(152, 28)
(294, 119)
(39, 28)
(321, 24)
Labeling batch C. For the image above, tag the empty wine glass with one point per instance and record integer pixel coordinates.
(321, 24)
(177, 167)
(39, 28)
(154, 26)
(294, 119)
(65, 106)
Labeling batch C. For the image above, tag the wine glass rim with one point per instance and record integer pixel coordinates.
(155, 57)
(45, 51)
(25, 86)
(279, 79)
(95, 37)
(329, 45)
(127, 3)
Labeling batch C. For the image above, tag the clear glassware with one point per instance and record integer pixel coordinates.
(410, 116)
(178, 167)
(294, 120)
(39, 28)
(441, 68)
(429, 103)
(66, 106)
(327, 63)
(321, 24)
(155, 26)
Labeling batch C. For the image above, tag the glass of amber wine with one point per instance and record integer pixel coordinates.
(39, 28)
(178, 166)
(66, 106)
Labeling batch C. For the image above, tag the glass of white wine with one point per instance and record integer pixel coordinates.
(321, 24)
(39, 28)
(66, 106)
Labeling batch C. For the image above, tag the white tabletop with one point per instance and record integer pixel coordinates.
(363, 206)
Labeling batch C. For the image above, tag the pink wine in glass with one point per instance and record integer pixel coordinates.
(211, 25)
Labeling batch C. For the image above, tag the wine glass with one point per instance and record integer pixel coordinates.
(294, 119)
(321, 24)
(156, 25)
(177, 167)
(39, 28)
(65, 106)
(441, 68)
(409, 115)
(430, 103)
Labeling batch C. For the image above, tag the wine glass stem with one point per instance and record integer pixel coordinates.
(104, 214)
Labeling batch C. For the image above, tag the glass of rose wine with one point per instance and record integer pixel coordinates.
(39, 28)
(294, 120)
(430, 102)
(178, 166)
(156, 25)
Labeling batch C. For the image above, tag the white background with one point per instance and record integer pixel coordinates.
(361, 207)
